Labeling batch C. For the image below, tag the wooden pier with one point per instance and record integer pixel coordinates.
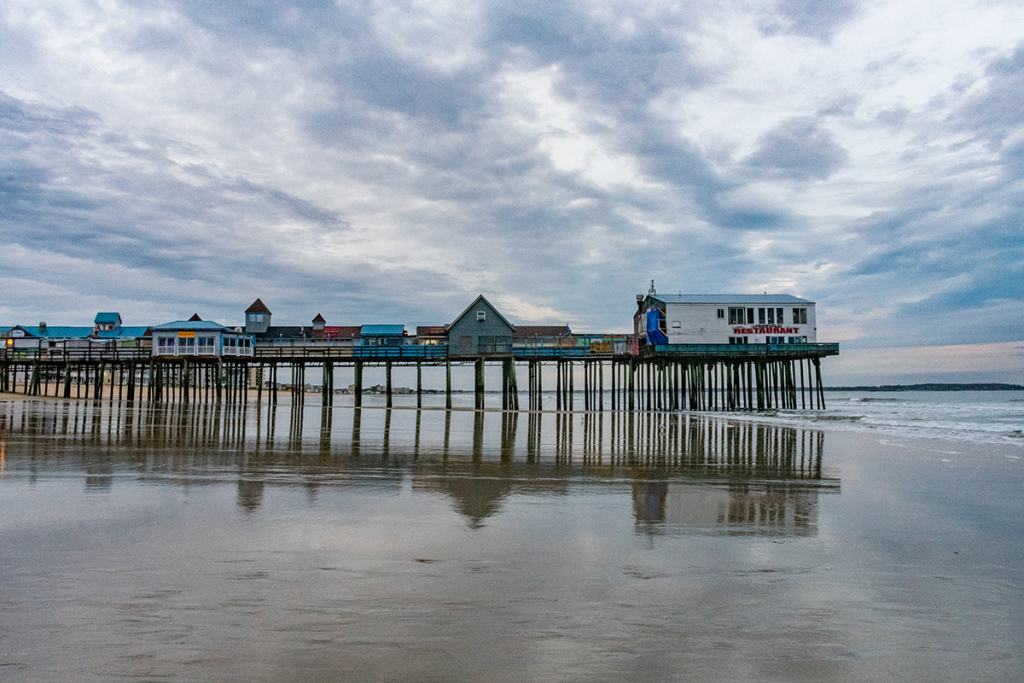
(698, 377)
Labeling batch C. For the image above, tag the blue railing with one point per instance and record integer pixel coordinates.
(407, 351)
(549, 352)
(742, 349)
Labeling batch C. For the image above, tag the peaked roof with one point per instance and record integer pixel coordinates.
(258, 307)
(319, 319)
(208, 325)
(195, 318)
(489, 305)
(52, 331)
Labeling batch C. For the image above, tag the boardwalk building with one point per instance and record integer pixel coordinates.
(480, 330)
(724, 319)
(200, 338)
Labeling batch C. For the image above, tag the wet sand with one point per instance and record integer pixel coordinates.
(200, 544)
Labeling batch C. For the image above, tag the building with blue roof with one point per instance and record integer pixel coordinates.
(201, 338)
(382, 335)
(44, 331)
(106, 322)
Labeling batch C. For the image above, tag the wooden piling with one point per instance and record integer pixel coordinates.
(478, 384)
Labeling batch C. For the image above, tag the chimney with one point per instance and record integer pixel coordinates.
(42, 329)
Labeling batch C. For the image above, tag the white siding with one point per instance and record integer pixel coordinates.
(700, 324)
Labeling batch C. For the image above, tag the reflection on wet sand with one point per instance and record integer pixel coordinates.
(689, 473)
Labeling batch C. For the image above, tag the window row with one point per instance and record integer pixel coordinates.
(765, 316)
(771, 340)
(202, 342)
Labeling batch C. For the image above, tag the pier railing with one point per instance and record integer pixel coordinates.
(739, 350)
(94, 350)
(75, 352)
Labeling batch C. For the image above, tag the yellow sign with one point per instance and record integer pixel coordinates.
(186, 335)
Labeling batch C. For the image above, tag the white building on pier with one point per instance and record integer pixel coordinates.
(724, 319)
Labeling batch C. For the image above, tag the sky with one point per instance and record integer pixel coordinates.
(389, 161)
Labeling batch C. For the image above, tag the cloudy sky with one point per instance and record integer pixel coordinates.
(388, 161)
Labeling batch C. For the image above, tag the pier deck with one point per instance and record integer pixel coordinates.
(662, 377)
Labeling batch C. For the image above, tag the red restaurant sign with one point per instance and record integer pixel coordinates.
(765, 329)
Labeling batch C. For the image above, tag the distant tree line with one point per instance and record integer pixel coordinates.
(992, 386)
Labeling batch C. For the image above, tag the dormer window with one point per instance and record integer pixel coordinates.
(481, 316)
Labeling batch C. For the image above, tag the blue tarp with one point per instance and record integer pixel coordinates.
(654, 333)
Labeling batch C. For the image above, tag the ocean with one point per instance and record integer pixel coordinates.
(980, 417)
(879, 539)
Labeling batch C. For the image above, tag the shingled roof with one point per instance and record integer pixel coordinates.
(258, 307)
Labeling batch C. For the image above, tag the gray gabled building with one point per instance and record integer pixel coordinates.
(480, 331)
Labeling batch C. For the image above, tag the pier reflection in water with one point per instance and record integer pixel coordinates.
(688, 473)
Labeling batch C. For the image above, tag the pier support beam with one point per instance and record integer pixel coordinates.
(357, 381)
(448, 384)
(478, 384)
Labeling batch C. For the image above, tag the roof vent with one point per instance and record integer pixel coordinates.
(42, 328)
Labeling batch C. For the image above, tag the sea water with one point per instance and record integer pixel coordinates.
(876, 540)
(981, 417)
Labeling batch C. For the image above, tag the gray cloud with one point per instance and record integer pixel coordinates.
(893, 118)
(798, 149)
(995, 110)
(812, 18)
(844, 104)
(371, 162)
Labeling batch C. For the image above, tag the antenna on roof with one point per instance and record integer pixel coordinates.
(652, 288)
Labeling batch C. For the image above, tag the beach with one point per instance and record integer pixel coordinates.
(871, 541)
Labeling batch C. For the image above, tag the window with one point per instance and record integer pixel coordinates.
(750, 316)
(760, 316)
(737, 340)
(205, 343)
(778, 315)
(799, 316)
(494, 344)
(736, 316)
(771, 316)
(721, 313)
(259, 317)
(676, 324)
(481, 316)
(166, 342)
